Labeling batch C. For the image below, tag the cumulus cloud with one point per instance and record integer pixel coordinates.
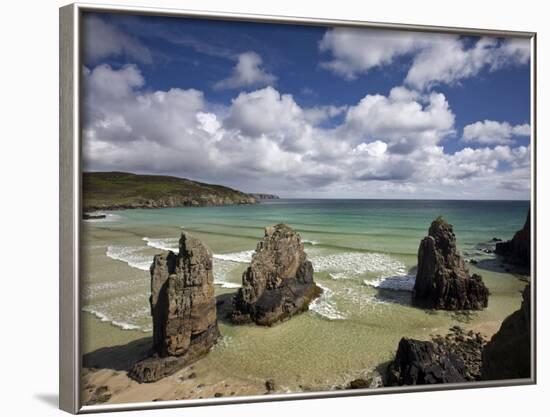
(404, 119)
(248, 72)
(102, 40)
(436, 58)
(490, 132)
(265, 141)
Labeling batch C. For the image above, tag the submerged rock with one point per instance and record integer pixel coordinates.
(518, 250)
(101, 394)
(279, 281)
(93, 216)
(442, 280)
(508, 353)
(450, 359)
(183, 307)
(374, 381)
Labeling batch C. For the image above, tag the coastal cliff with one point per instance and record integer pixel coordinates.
(183, 307)
(442, 280)
(508, 353)
(122, 190)
(279, 281)
(518, 250)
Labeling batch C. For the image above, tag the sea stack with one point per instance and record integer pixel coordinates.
(508, 353)
(442, 280)
(279, 281)
(518, 250)
(183, 307)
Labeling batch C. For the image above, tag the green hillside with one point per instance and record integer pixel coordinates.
(122, 190)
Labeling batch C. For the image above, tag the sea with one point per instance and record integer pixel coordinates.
(364, 254)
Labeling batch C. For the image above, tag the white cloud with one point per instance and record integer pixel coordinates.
(248, 72)
(376, 148)
(356, 51)
(447, 59)
(102, 40)
(490, 132)
(436, 58)
(266, 112)
(264, 141)
(404, 120)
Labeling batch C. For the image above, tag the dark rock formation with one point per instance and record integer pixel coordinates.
(279, 281)
(183, 307)
(518, 250)
(93, 216)
(453, 358)
(442, 280)
(270, 385)
(508, 353)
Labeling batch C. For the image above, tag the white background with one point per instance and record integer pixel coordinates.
(29, 206)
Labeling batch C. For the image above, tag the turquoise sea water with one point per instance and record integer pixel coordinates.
(363, 253)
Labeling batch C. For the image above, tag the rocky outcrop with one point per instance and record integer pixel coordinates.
(279, 281)
(518, 250)
(450, 359)
(508, 353)
(93, 216)
(263, 196)
(442, 280)
(183, 307)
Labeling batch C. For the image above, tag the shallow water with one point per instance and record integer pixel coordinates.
(363, 252)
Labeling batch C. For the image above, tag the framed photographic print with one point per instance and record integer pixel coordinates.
(259, 208)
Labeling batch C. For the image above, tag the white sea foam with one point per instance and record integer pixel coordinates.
(244, 256)
(225, 284)
(222, 343)
(95, 290)
(167, 244)
(131, 256)
(395, 282)
(128, 312)
(324, 306)
(338, 275)
(350, 264)
(221, 270)
(311, 242)
(106, 318)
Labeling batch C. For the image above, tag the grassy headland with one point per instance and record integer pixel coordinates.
(123, 190)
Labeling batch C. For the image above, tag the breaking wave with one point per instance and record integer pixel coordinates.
(324, 305)
(222, 269)
(395, 283)
(244, 256)
(349, 264)
(167, 244)
(131, 256)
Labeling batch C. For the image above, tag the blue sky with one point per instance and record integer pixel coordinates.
(307, 111)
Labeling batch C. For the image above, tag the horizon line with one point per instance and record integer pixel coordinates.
(300, 198)
(385, 199)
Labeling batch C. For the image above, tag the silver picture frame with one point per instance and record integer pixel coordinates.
(70, 50)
